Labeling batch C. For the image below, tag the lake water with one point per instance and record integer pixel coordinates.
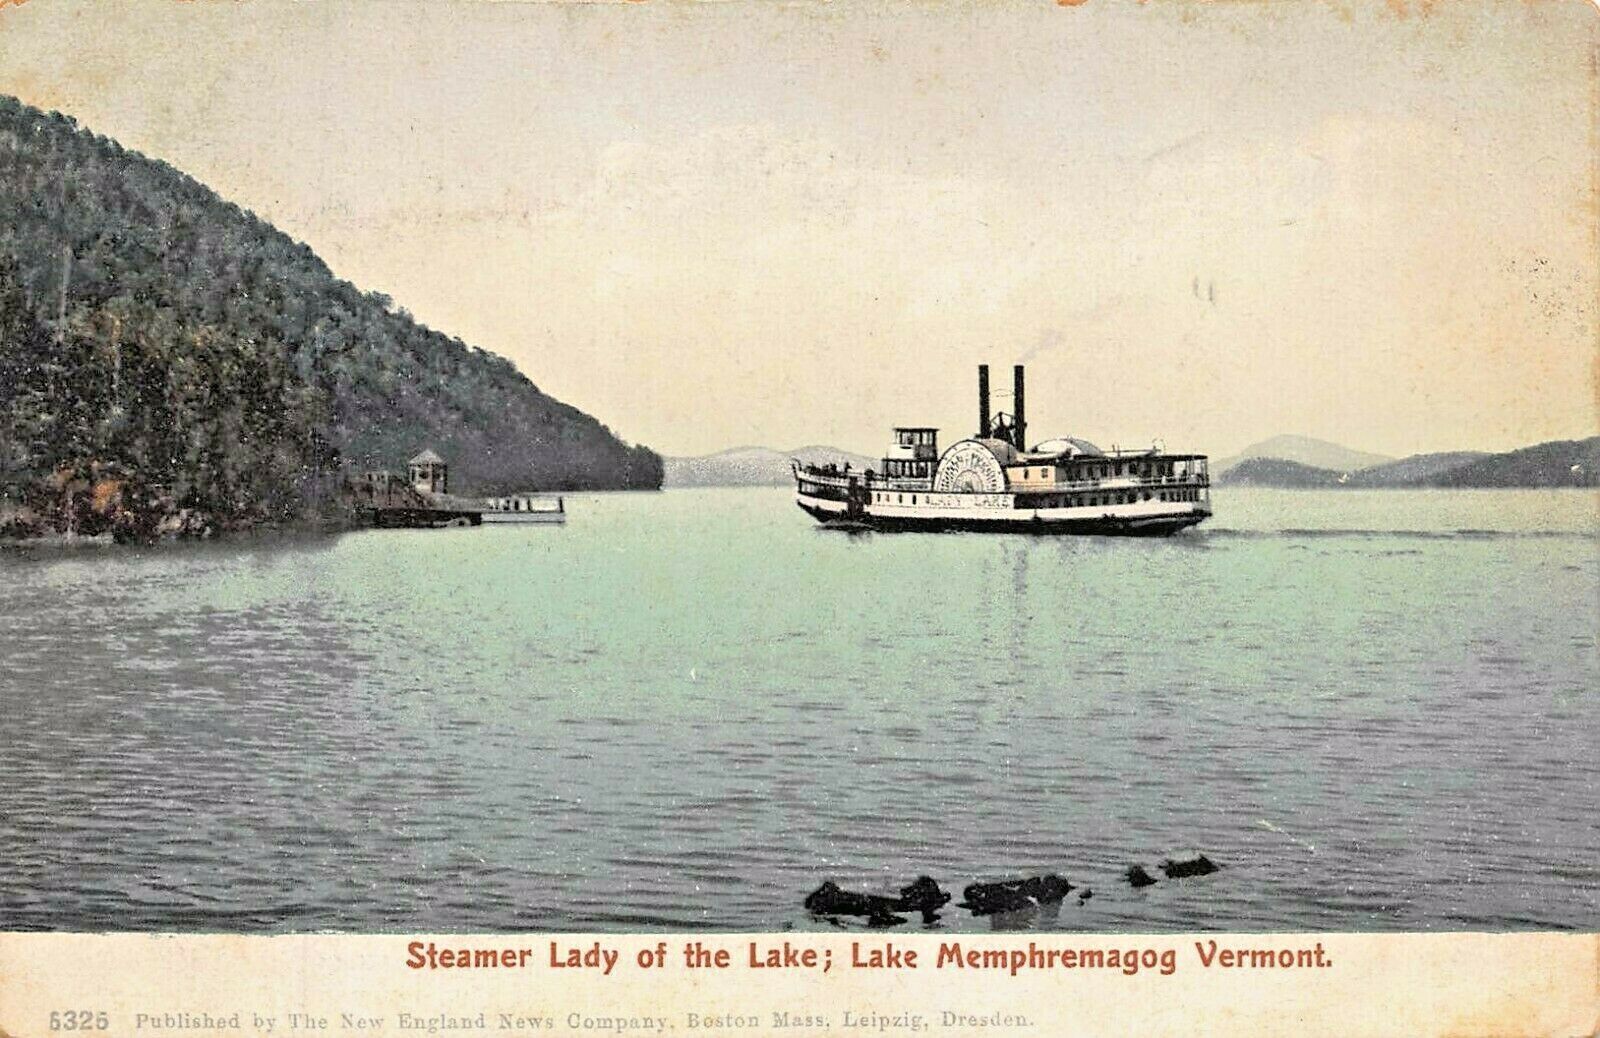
(1377, 710)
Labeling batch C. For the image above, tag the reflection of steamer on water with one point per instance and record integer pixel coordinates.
(992, 482)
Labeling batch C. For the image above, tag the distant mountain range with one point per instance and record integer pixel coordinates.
(1559, 463)
(1554, 464)
(1417, 469)
(1303, 450)
(753, 466)
(1277, 472)
(1302, 462)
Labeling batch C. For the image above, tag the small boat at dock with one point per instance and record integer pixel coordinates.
(524, 508)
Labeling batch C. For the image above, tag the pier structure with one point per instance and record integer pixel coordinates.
(420, 499)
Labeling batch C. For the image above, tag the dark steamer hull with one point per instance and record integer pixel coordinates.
(1106, 526)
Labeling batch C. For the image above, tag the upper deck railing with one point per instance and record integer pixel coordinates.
(834, 475)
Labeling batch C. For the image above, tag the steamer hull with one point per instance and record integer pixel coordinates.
(1040, 522)
(1104, 526)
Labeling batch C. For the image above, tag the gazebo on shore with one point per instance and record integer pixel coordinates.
(429, 474)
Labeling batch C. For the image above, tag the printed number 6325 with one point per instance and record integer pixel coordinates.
(79, 1020)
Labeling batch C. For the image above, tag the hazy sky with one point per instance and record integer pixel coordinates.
(789, 223)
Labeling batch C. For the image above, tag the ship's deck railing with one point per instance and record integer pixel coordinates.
(1112, 482)
(834, 476)
(830, 474)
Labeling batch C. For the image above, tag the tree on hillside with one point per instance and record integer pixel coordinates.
(27, 374)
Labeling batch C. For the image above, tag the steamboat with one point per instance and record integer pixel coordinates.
(994, 482)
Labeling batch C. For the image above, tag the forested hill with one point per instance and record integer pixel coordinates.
(1558, 463)
(150, 329)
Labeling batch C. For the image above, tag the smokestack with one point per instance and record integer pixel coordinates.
(1019, 417)
(983, 400)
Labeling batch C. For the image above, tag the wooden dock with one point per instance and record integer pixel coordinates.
(416, 518)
